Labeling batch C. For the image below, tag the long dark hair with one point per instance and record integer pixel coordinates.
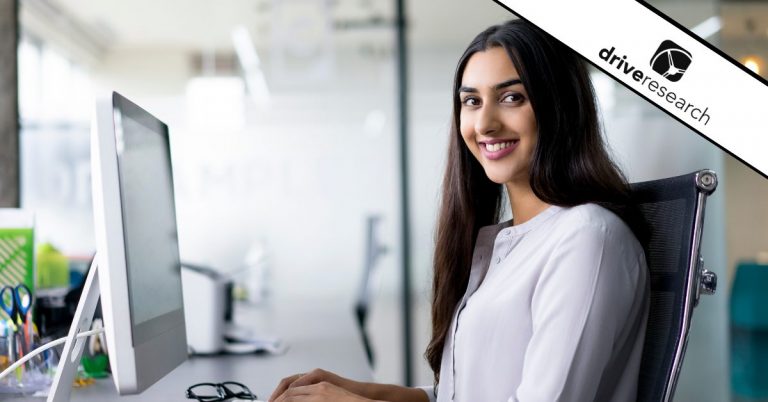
(570, 165)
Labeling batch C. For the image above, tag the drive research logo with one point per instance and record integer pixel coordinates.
(671, 68)
(671, 60)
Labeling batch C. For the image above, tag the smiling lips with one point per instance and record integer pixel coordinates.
(497, 149)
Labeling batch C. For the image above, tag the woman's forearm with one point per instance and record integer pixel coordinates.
(393, 393)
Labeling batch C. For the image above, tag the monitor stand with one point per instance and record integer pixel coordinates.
(61, 389)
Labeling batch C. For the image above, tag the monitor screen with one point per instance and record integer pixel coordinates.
(149, 221)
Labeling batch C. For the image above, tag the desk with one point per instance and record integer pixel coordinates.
(318, 335)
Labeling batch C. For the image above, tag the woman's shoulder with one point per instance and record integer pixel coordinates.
(591, 214)
(594, 227)
(578, 218)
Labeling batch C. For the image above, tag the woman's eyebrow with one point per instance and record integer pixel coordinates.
(507, 83)
(504, 84)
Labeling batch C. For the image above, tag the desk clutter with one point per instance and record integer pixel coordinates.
(208, 302)
(18, 333)
(39, 291)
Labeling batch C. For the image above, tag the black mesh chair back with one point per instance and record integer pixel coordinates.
(673, 210)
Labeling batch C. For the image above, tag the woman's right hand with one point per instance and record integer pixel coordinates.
(316, 376)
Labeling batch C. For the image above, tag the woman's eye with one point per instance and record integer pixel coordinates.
(470, 101)
(512, 98)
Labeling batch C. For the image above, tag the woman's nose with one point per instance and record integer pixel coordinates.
(487, 121)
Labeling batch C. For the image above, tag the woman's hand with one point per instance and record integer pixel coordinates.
(319, 392)
(316, 376)
(323, 386)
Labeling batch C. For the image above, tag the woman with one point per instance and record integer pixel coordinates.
(551, 306)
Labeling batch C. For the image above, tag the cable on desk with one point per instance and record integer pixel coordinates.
(45, 347)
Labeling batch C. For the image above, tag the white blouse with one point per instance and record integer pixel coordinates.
(559, 314)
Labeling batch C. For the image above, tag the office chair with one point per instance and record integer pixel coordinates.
(673, 210)
(373, 250)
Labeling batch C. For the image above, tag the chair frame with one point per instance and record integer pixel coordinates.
(698, 281)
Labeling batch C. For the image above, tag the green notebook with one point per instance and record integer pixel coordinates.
(17, 249)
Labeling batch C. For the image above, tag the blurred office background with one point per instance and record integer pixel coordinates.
(284, 128)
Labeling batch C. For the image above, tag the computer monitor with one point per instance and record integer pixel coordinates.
(136, 271)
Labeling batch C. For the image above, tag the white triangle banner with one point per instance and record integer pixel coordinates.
(665, 64)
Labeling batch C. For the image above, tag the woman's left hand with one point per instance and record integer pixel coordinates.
(320, 392)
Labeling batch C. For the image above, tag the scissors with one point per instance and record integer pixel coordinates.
(16, 302)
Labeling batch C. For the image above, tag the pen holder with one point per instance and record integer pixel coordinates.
(29, 378)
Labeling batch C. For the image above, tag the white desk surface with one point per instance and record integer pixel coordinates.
(318, 335)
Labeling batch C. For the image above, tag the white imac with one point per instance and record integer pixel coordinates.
(136, 271)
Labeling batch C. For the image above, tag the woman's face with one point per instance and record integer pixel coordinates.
(496, 119)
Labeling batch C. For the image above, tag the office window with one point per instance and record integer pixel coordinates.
(55, 106)
(29, 79)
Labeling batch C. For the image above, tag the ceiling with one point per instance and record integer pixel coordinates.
(207, 24)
